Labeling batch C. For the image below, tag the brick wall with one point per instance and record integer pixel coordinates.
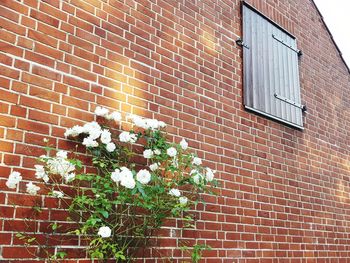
(284, 193)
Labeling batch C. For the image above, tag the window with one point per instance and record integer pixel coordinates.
(270, 69)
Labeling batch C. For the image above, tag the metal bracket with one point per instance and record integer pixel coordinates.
(240, 43)
(299, 52)
(289, 101)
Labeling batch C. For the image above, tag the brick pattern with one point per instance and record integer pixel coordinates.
(284, 194)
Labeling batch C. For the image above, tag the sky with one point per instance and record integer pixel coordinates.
(336, 14)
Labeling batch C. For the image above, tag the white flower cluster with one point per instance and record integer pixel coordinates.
(13, 180)
(127, 137)
(57, 194)
(94, 131)
(104, 231)
(125, 177)
(103, 112)
(154, 166)
(176, 193)
(143, 176)
(40, 173)
(146, 124)
(57, 165)
(172, 152)
(184, 144)
(197, 161)
(32, 189)
(148, 153)
(198, 177)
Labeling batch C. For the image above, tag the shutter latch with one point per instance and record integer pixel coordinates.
(240, 43)
(289, 101)
(299, 52)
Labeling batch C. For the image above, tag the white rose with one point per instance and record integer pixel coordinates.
(74, 131)
(133, 138)
(183, 144)
(209, 175)
(162, 124)
(154, 166)
(40, 173)
(104, 231)
(171, 152)
(124, 136)
(148, 153)
(157, 152)
(13, 180)
(126, 178)
(32, 189)
(106, 136)
(197, 161)
(57, 194)
(183, 200)
(138, 121)
(60, 166)
(89, 142)
(93, 129)
(175, 192)
(197, 177)
(110, 147)
(143, 176)
(127, 137)
(128, 182)
(62, 154)
(100, 111)
(115, 176)
(115, 116)
(152, 124)
(69, 177)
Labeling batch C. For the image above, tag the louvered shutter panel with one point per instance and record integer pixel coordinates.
(271, 74)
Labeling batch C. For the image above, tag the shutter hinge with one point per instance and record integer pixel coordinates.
(299, 52)
(240, 43)
(289, 101)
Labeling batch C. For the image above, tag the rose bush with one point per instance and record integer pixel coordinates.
(120, 205)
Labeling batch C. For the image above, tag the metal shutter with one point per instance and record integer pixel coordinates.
(271, 74)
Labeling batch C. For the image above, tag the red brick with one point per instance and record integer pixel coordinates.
(12, 27)
(12, 160)
(39, 59)
(42, 38)
(48, 51)
(51, 31)
(8, 72)
(33, 126)
(35, 103)
(9, 14)
(15, 135)
(6, 146)
(7, 121)
(9, 48)
(43, 117)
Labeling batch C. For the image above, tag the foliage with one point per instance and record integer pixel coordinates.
(139, 180)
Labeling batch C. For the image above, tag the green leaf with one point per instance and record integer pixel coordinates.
(61, 254)
(30, 240)
(119, 255)
(140, 189)
(104, 213)
(54, 226)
